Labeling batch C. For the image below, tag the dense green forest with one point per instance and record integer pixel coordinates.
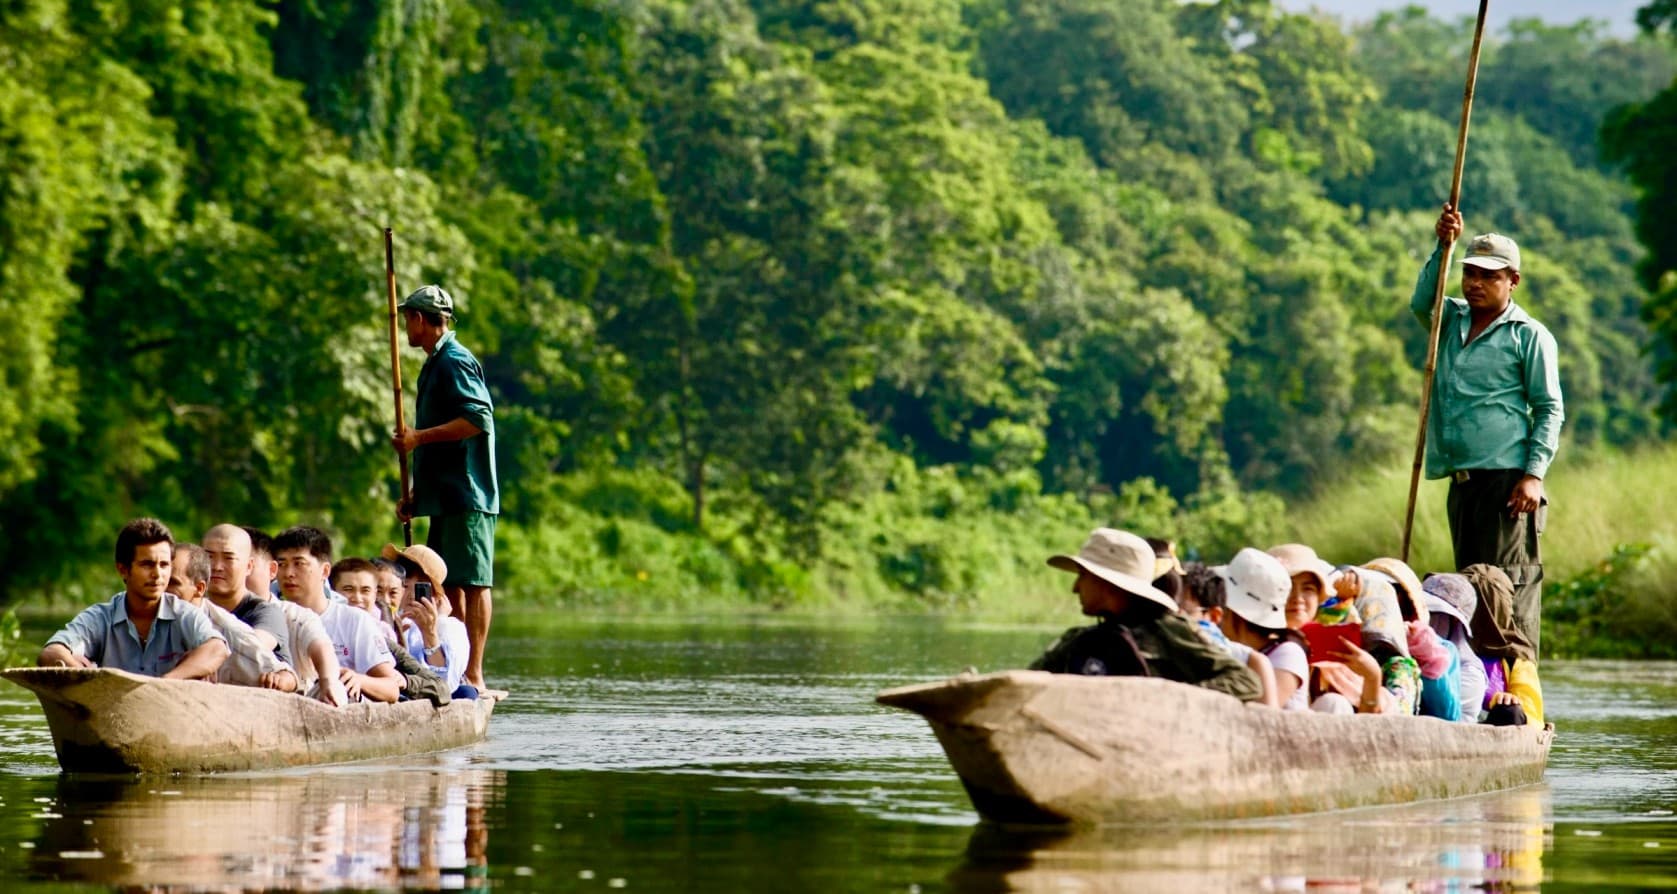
(792, 303)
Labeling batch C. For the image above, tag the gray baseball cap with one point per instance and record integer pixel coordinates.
(432, 298)
(1492, 251)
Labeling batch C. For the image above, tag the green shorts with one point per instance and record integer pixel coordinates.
(466, 541)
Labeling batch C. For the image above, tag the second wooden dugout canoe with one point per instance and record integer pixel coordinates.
(1036, 747)
(112, 721)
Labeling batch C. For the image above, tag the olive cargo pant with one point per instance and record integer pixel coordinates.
(1482, 532)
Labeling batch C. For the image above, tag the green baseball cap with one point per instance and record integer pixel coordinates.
(432, 298)
(1493, 251)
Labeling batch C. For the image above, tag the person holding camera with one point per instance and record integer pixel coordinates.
(428, 631)
(453, 447)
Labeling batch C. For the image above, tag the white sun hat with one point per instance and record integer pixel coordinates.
(1121, 559)
(1257, 586)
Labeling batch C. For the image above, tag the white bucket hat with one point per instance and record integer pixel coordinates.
(1121, 559)
(1257, 586)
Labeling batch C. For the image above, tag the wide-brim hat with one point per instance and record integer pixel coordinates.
(1256, 586)
(1120, 558)
(1300, 559)
(1408, 584)
(1438, 606)
(430, 564)
(1453, 595)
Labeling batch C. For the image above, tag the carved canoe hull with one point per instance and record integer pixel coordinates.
(1035, 747)
(111, 721)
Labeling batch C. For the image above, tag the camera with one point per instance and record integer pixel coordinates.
(422, 591)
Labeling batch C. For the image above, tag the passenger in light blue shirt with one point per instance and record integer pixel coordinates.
(144, 629)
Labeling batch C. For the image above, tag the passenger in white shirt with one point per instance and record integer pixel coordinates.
(367, 669)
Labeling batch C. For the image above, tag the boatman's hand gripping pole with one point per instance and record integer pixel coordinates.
(396, 376)
(1445, 249)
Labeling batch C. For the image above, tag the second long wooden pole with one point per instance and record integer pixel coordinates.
(1446, 248)
(396, 372)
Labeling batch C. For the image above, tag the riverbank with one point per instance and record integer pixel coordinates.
(940, 543)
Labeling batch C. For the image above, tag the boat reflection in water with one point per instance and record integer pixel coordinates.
(329, 828)
(1489, 842)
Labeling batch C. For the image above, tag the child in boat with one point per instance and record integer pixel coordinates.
(1139, 632)
(1513, 694)
(357, 579)
(1201, 601)
(1255, 591)
(1451, 603)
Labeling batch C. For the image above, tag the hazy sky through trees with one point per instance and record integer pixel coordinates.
(1620, 14)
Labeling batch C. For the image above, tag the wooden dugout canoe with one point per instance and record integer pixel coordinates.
(1035, 747)
(112, 721)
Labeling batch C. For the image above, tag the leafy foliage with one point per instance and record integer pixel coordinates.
(748, 277)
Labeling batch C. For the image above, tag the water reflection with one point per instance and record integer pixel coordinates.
(1493, 842)
(331, 829)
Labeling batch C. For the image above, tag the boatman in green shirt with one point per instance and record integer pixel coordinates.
(1495, 419)
(453, 446)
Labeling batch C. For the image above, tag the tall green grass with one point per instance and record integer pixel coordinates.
(1598, 502)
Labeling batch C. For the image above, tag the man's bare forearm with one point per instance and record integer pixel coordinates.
(201, 662)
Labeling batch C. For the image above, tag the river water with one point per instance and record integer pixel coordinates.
(726, 755)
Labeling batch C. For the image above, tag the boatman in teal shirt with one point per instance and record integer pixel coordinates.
(453, 446)
(1495, 419)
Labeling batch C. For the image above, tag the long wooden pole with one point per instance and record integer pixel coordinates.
(1446, 248)
(396, 372)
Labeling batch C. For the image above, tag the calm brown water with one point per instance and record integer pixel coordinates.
(735, 756)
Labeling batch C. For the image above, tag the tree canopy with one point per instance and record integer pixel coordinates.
(770, 255)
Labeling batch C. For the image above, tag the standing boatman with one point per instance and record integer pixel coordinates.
(453, 446)
(1496, 413)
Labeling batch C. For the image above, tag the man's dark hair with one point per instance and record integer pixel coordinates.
(431, 317)
(137, 533)
(1203, 585)
(303, 537)
(261, 543)
(195, 560)
(353, 565)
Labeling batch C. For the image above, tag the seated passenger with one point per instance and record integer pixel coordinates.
(1139, 632)
(1513, 695)
(1440, 674)
(144, 629)
(428, 632)
(1255, 591)
(231, 562)
(390, 577)
(357, 579)
(1200, 600)
(1373, 597)
(1451, 603)
(264, 571)
(1309, 576)
(366, 667)
(251, 660)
